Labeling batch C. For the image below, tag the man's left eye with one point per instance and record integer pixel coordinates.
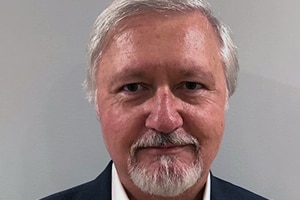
(192, 85)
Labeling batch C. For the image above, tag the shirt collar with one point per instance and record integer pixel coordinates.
(207, 189)
(118, 192)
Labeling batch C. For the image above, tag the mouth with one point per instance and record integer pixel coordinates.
(165, 149)
(159, 144)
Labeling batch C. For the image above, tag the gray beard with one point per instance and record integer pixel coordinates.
(170, 178)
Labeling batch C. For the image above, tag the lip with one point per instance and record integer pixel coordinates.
(163, 150)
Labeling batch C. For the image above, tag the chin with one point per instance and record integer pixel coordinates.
(166, 176)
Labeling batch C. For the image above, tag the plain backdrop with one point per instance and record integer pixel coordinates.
(50, 138)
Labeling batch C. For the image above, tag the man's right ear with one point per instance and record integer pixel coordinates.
(96, 102)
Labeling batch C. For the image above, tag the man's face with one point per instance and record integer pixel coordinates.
(162, 75)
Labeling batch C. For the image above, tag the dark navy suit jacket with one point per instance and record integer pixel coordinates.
(100, 189)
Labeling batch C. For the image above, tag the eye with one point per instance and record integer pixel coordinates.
(132, 87)
(192, 85)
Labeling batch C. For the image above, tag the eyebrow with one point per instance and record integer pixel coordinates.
(127, 74)
(137, 72)
(197, 71)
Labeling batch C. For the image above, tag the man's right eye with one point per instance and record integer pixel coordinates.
(132, 87)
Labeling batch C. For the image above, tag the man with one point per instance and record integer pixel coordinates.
(160, 75)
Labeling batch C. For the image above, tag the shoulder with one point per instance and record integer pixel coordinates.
(100, 188)
(221, 189)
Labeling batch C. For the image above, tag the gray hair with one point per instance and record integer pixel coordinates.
(121, 9)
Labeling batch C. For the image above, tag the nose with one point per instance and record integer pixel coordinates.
(164, 115)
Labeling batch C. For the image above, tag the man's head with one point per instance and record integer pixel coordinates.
(122, 9)
(160, 75)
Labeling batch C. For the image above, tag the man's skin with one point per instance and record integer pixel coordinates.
(162, 73)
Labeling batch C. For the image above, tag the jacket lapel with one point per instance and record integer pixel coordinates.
(103, 183)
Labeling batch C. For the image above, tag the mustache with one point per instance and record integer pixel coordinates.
(158, 139)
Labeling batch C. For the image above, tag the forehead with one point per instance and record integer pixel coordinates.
(155, 39)
(192, 26)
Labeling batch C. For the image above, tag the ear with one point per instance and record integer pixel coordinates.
(96, 106)
(226, 100)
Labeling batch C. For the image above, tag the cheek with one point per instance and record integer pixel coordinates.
(113, 129)
(207, 125)
(215, 129)
(120, 129)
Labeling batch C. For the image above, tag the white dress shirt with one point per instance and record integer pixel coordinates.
(118, 192)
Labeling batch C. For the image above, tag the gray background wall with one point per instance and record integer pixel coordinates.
(50, 138)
